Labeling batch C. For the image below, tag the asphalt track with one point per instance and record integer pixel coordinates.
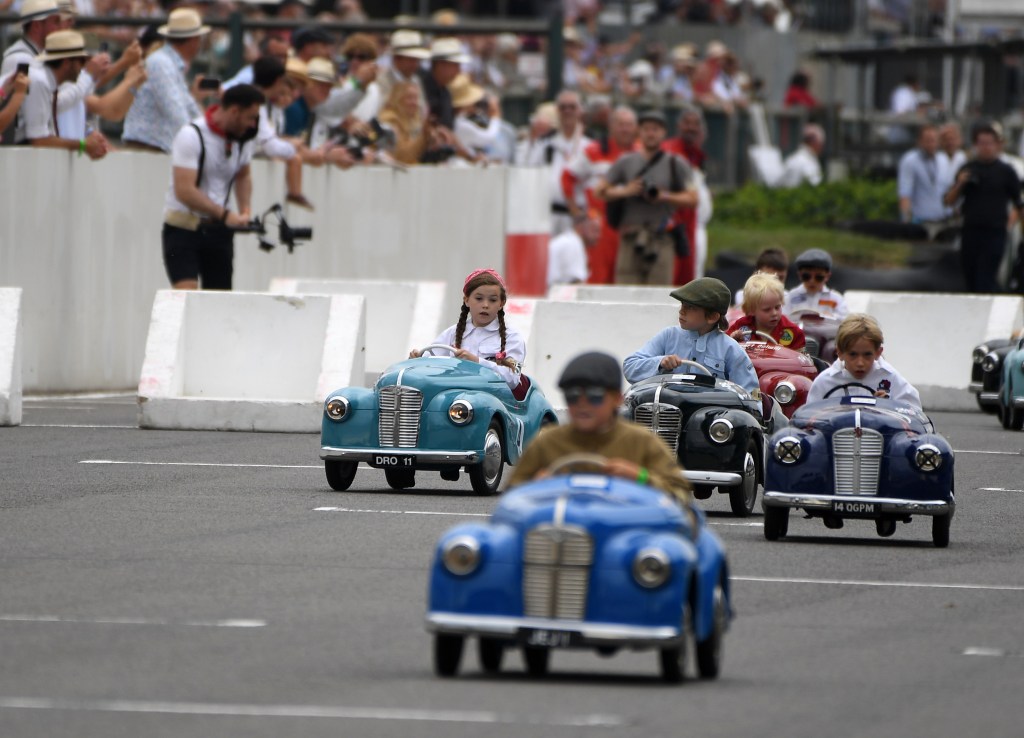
(210, 584)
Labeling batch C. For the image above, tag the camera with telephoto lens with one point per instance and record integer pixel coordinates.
(287, 235)
(379, 137)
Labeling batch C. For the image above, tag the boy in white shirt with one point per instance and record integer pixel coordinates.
(814, 268)
(859, 345)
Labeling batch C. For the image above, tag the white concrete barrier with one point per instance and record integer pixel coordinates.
(527, 231)
(248, 361)
(10, 356)
(558, 331)
(400, 315)
(612, 293)
(929, 337)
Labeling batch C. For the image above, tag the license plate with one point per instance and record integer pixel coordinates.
(549, 638)
(851, 507)
(393, 461)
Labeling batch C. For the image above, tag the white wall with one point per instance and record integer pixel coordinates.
(613, 293)
(82, 239)
(10, 356)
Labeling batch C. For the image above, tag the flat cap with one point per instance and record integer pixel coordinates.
(706, 292)
(653, 116)
(814, 259)
(592, 369)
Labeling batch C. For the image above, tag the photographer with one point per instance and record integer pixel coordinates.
(987, 186)
(210, 156)
(651, 185)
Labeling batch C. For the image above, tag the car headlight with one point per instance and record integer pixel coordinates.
(460, 412)
(337, 408)
(461, 555)
(788, 450)
(989, 363)
(785, 392)
(928, 457)
(720, 430)
(979, 353)
(651, 568)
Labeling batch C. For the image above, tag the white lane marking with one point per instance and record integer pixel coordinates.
(981, 651)
(989, 453)
(312, 711)
(998, 489)
(869, 583)
(400, 512)
(739, 525)
(76, 425)
(230, 623)
(200, 463)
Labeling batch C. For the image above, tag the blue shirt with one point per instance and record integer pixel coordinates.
(722, 356)
(922, 180)
(163, 104)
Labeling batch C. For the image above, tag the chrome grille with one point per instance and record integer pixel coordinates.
(556, 571)
(399, 417)
(858, 460)
(665, 421)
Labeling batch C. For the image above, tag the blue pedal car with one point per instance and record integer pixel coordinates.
(430, 414)
(859, 457)
(581, 561)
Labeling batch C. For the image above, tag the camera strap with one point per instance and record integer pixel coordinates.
(202, 163)
(651, 163)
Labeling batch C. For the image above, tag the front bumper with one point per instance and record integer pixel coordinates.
(334, 453)
(722, 479)
(590, 634)
(975, 387)
(823, 503)
(988, 398)
(1018, 402)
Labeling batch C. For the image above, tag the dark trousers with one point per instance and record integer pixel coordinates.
(206, 254)
(981, 251)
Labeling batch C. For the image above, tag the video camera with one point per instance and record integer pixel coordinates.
(286, 234)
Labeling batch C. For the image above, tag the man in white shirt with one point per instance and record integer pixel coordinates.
(567, 252)
(210, 157)
(803, 165)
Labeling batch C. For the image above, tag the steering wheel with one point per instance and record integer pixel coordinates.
(703, 369)
(433, 346)
(768, 338)
(593, 461)
(847, 386)
(805, 313)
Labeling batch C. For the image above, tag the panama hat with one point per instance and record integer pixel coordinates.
(183, 23)
(464, 93)
(296, 69)
(715, 50)
(448, 49)
(408, 43)
(63, 45)
(319, 69)
(33, 10)
(684, 53)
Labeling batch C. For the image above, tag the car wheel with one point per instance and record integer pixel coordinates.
(940, 530)
(491, 652)
(742, 497)
(1015, 415)
(709, 651)
(447, 654)
(673, 664)
(703, 491)
(486, 476)
(400, 478)
(340, 474)
(885, 527)
(776, 522)
(988, 409)
(536, 658)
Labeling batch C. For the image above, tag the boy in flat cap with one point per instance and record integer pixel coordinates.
(592, 383)
(698, 338)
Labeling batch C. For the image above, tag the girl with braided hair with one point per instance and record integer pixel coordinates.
(481, 334)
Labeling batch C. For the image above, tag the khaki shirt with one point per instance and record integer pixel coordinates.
(625, 440)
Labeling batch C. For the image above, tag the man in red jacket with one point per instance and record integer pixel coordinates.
(587, 169)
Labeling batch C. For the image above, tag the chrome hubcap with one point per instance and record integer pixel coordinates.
(492, 457)
(749, 478)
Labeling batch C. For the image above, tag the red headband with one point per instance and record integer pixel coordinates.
(478, 272)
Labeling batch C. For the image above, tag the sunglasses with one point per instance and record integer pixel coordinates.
(808, 277)
(360, 57)
(595, 395)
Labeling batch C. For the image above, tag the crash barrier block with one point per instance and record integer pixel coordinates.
(400, 315)
(248, 361)
(612, 293)
(10, 356)
(558, 331)
(527, 231)
(929, 337)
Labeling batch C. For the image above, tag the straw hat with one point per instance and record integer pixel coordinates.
(448, 49)
(296, 69)
(63, 45)
(571, 36)
(546, 112)
(183, 23)
(464, 93)
(409, 43)
(33, 10)
(715, 50)
(684, 53)
(319, 69)
(67, 8)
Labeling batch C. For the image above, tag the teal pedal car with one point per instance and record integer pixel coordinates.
(431, 414)
(1011, 389)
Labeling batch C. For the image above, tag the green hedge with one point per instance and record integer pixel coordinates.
(825, 206)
